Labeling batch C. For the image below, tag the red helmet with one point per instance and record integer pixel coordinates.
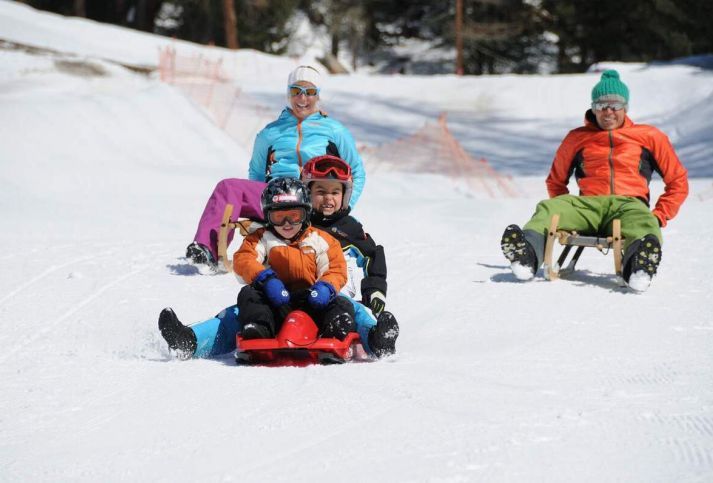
(332, 168)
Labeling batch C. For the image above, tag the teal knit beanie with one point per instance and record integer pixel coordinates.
(610, 88)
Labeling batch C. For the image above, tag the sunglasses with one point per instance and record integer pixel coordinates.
(293, 216)
(325, 168)
(603, 106)
(296, 90)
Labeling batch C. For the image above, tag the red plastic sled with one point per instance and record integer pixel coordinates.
(297, 344)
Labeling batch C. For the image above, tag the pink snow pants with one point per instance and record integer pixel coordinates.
(243, 194)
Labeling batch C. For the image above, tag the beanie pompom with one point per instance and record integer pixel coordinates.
(610, 74)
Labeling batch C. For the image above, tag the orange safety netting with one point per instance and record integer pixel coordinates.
(433, 149)
(206, 82)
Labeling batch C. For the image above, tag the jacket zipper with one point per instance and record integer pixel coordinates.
(299, 142)
(611, 161)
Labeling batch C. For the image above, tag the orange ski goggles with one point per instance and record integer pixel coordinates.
(293, 216)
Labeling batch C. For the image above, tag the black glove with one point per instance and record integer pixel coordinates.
(377, 303)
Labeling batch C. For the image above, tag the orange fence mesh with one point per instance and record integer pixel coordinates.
(432, 149)
(206, 82)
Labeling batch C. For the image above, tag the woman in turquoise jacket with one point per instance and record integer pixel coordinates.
(300, 133)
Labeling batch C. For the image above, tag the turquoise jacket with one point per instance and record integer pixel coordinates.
(286, 144)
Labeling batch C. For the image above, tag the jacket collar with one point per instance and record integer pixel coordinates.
(287, 114)
(318, 219)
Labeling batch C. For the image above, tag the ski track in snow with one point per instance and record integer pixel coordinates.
(50, 326)
(42, 275)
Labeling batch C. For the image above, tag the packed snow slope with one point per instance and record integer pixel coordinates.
(104, 173)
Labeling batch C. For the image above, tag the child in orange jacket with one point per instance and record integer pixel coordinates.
(291, 265)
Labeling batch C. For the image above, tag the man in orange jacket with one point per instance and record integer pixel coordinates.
(612, 160)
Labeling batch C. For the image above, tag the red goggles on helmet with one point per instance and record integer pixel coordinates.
(293, 216)
(328, 167)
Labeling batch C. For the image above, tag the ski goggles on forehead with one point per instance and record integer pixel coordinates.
(603, 106)
(323, 168)
(293, 216)
(296, 90)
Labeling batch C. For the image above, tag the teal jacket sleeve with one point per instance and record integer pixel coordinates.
(258, 161)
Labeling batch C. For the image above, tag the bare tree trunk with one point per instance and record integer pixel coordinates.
(459, 37)
(356, 48)
(335, 43)
(231, 24)
(140, 19)
(80, 8)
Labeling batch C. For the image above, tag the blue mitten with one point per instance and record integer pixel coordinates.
(272, 287)
(321, 294)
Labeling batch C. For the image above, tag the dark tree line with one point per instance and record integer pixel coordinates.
(139, 14)
(638, 30)
(498, 35)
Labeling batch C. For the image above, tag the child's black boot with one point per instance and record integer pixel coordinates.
(382, 337)
(338, 326)
(257, 330)
(179, 337)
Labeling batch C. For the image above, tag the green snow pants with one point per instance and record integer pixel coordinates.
(592, 215)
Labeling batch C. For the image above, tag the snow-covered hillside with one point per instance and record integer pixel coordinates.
(104, 173)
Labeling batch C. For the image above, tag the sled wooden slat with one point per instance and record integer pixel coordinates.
(618, 245)
(570, 239)
(551, 272)
(225, 225)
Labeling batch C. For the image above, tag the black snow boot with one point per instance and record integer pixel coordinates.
(338, 326)
(256, 330)
(382, 337)
(519, 252)
(643, 263)
(179, 337)
(200, 254)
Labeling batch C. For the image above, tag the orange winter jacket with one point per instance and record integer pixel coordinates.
(620, 162)
(314, 255)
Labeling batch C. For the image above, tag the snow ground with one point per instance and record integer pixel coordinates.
(103, 179)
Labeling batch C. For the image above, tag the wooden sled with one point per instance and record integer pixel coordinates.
(226, 224)
(570, 239)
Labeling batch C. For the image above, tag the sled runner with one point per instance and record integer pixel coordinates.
(297, 344)
(241, 224)
(570, 239)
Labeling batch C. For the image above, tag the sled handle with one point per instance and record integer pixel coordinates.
(223, 239)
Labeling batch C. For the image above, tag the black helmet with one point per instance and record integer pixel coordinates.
(285, 193)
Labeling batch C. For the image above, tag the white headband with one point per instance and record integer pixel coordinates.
(304, 73)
